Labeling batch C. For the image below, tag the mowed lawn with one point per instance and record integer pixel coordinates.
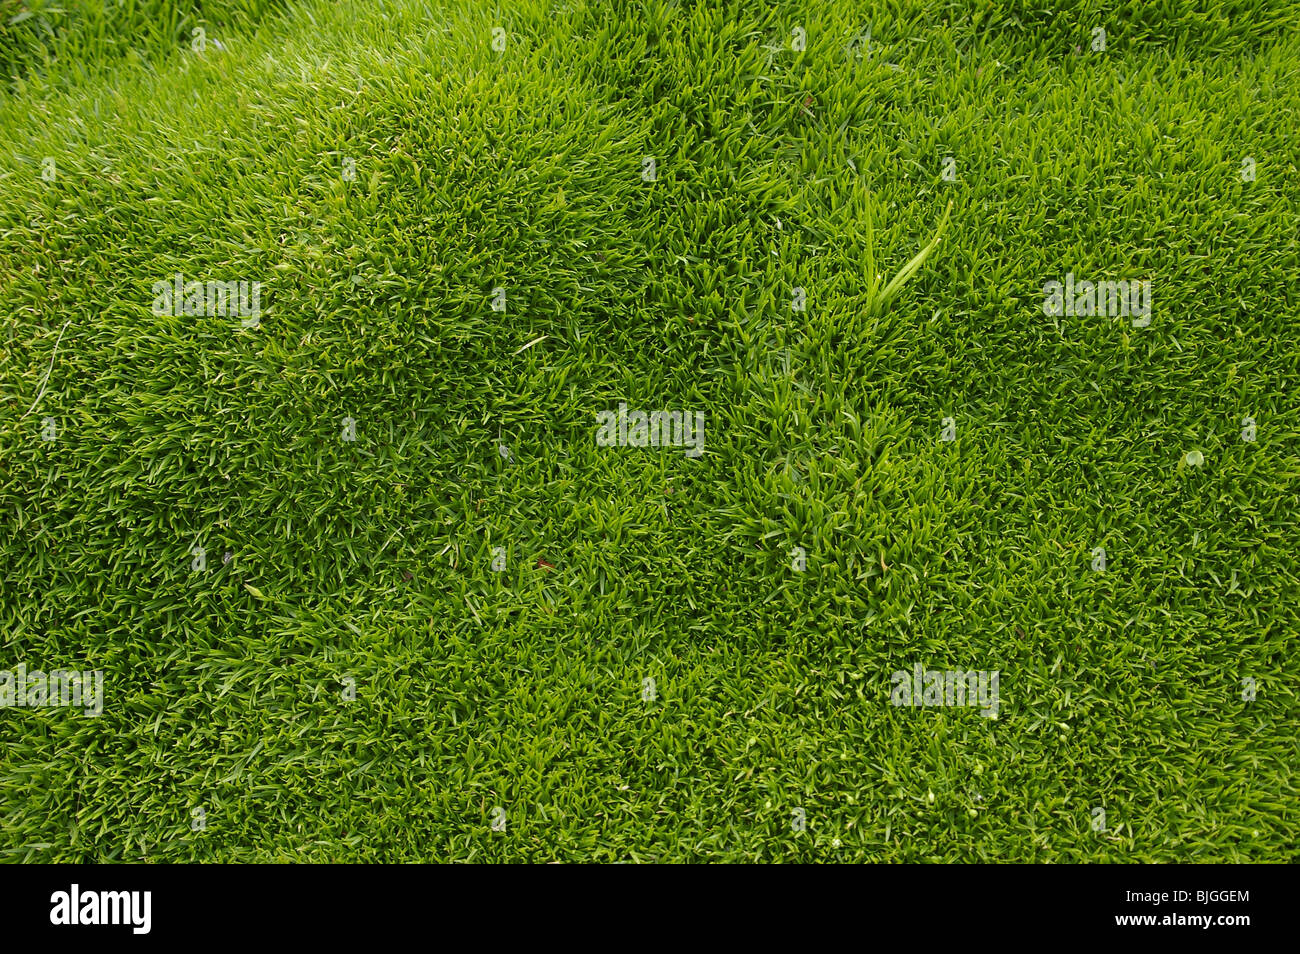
(364, 585)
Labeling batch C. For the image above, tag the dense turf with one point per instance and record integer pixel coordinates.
(776, 169)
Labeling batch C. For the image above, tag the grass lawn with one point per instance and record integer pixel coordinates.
(366, 578)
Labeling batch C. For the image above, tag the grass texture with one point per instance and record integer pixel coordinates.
(506, 716)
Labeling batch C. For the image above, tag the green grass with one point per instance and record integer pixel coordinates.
(48, 43)
(820, 169)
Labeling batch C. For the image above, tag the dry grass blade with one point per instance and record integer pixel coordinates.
(880, 302)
